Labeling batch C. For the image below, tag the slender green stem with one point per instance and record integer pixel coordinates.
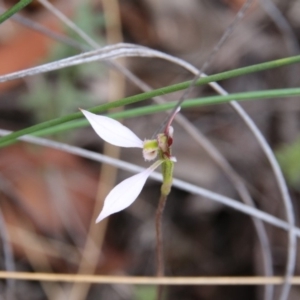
(17, 7)
(70, 122)
(162, 91)
(211, 100)
(154, 108)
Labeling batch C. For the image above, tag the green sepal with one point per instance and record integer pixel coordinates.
(150, 145)
(167, 172)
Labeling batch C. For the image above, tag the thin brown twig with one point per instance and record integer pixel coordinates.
(160, 266)
(159, 236)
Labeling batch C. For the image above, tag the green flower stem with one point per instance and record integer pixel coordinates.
(165, 90)
(17, 7)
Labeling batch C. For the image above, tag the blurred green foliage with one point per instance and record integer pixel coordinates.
(289, 159)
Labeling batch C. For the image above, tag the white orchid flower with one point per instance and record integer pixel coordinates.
(126, 192)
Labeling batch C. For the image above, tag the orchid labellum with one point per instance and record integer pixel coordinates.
(126, 192)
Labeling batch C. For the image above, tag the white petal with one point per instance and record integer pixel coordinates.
(124, 194)
(113, 131)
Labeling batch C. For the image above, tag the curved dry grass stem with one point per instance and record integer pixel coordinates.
(293, 48)
(105, 53)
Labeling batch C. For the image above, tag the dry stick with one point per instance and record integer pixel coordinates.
(203, 142)
(143, 280)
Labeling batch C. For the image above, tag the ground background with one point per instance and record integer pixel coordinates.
(47, 197)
